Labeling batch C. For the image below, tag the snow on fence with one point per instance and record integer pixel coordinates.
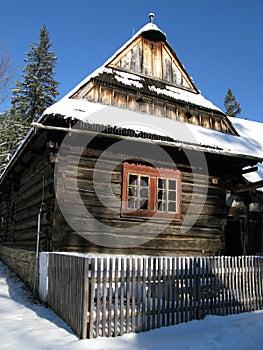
(110, 296)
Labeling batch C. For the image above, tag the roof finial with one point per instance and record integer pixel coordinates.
(151, 16)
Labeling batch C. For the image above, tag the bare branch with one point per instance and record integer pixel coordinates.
(6, 72)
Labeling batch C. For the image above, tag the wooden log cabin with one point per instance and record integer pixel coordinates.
(133, 160)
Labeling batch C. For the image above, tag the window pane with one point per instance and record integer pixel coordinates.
(144, 192)
(132, 191)
(131, 203)
(144, 181)
(133, 180)
(172, 185)
(161, 206)
(172, 195)
(161, 183)
(172, 207)
(143, 204)
(161, 194)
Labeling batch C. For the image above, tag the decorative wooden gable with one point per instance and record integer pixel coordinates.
(154, 59)
(146, 76)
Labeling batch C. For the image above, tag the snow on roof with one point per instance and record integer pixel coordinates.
(128, 79)
(140, 82)
(184, 95)
(254, 131)
(184, 134)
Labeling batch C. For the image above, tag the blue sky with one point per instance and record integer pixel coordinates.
(218, 41)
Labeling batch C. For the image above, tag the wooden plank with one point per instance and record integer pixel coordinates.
(230, 285)
(178, 295)
(222, 287)
(198, 286)
(182, 288)
(168, 293)
(240, 284)
(234, 291)
(218, 285)
(243, 283)
(92, 296)
(158, 292)
(227, 293)
(122, 297)
(144, 282)
(138, 299)
(229, 288)
(173, 292)
(192, 289)
(205, 287)
(154, 291)
(259, 265)
(236, 285)
(254, 285)
(128, 294)
(246, 283)
(116, 298)
(186, 289)
(202, 287)
(149, 294)
(251, 284)
(212, 286)
(98, 298)
(163, 296)
(133, 311)
(110, 297)
(104, 296)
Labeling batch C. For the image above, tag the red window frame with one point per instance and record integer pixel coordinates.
(153, 174)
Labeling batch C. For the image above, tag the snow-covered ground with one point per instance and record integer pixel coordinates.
(25, 325)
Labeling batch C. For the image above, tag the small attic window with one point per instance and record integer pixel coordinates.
(188, 115)
(154, 35)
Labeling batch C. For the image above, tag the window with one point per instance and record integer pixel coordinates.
(148, 192)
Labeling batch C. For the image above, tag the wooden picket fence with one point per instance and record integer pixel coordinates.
(110, 296)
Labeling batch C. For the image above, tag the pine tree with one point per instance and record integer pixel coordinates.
(231, 104)
(38, 89)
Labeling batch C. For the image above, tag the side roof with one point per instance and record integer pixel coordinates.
(178, 133)
(253, 131)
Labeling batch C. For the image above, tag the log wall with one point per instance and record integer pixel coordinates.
(23, 192)
(204, 238)
(31, 184)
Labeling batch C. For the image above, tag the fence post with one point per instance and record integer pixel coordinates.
(43, 276)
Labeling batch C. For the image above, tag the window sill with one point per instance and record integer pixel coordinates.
(140, 214)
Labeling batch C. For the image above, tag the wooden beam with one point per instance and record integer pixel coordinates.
(248, 187)
(250, 170)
